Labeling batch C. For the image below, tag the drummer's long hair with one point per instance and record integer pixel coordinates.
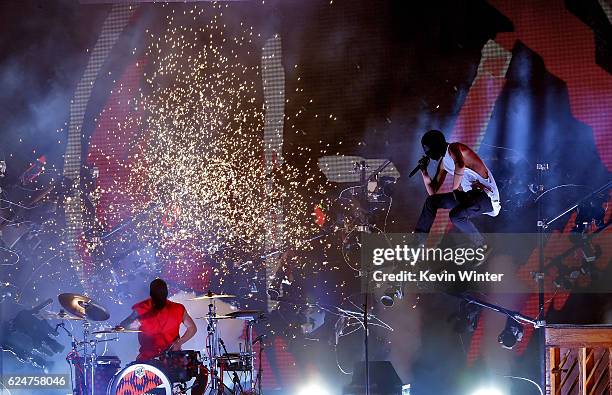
(159, 293)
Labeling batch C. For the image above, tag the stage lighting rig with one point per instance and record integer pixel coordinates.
(511, 334)
(591, 211)
(466, 319)
(513, 331)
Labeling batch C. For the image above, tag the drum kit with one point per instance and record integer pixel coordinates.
(171, 372)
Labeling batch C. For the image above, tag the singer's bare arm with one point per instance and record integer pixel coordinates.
(433, 186)
(189, 333)
(456, 154)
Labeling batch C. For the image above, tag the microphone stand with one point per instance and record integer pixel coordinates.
(364, 228)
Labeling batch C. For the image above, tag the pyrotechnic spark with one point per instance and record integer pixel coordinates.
(201, 156)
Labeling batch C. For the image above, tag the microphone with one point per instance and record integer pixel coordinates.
(423, 162)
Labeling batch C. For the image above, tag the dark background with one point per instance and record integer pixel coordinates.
(386, 72)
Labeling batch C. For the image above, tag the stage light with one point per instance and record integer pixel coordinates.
(391, 293)
(314, 388)
(512, 334)
(466, 319)
(488, 391)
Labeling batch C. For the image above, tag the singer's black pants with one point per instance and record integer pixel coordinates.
(463, 206)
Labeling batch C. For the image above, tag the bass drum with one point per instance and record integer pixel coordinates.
(140, 379)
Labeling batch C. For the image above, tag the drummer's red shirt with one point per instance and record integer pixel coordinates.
(160, 328)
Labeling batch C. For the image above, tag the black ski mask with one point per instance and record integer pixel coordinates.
(434, 144)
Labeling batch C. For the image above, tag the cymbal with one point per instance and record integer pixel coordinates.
(247, 315)
(62, 315)
(217, 317)
(211, 295)
(82, 306)
(113, 331)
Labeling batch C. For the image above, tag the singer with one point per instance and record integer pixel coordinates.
(474, 189)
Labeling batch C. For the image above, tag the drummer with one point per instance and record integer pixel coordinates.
(159, 320)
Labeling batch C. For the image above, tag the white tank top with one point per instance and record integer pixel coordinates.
(470, 177)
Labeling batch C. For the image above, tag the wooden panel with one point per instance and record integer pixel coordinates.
(577, 337)
(586, 368)
(554, 370)
(610, 370)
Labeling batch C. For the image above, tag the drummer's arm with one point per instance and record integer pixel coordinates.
(189, 333)
(128, 321)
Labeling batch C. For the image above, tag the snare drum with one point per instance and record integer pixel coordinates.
(182, 365)
(237, 362)
(138, 379)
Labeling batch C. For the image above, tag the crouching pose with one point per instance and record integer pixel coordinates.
(474, 189)
(474, 193)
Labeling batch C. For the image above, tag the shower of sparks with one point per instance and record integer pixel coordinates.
(197, 197)
(200, 159)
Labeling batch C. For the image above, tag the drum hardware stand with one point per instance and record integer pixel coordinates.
(236, 381)
(249, 352)
(73, 353)
(213, 346)
(260, 368)
(89, 357)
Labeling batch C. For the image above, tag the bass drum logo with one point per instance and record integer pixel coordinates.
(140, 379)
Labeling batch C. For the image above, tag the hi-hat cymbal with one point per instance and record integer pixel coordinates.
(62, 315)
(211, 295)
(82, 306)
(114, 331)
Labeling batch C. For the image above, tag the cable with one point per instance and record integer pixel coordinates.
(529, 381)
(552, 297)
(7, 390)
(521, 155)
(12, 252)
(558, 186)
(338, 362)
(19, 205)
(346, 189)
(343, 253)
(387, 216)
